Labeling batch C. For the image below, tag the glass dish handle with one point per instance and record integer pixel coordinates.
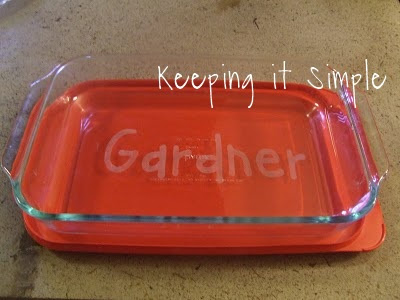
(369, 138)
(36, 92)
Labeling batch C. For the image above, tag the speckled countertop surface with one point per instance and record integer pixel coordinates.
(44, 33)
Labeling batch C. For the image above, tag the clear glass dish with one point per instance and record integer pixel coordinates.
(98, 146)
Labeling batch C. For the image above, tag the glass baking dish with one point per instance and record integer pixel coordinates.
(107, 151)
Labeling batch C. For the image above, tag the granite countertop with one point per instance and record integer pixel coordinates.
(44, 33)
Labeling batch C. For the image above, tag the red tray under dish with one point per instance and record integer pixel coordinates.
(327, 179)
